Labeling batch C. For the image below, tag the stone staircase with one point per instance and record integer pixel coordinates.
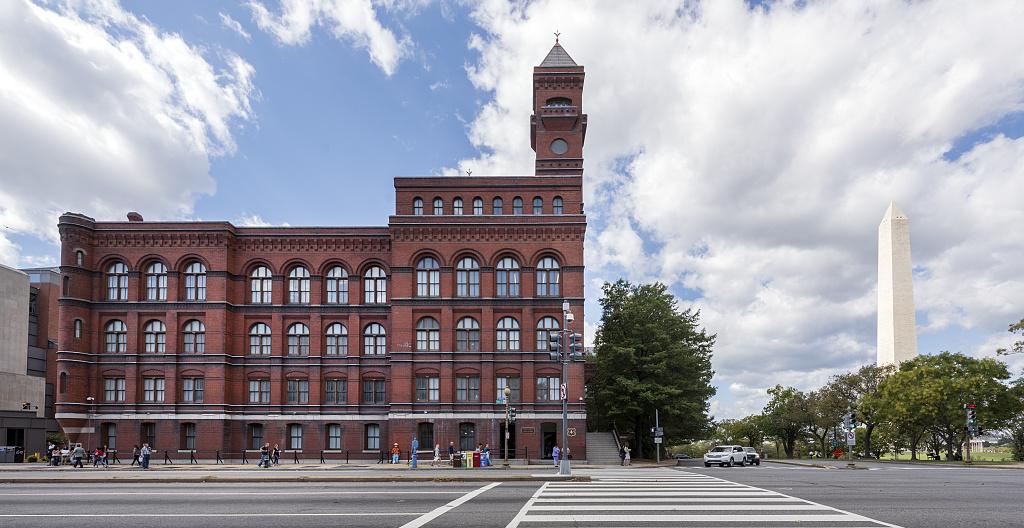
(602, 449)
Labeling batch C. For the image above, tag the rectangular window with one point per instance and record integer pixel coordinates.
(149, 434)
(549, 388)
(156, 287)
(255, 436)
(467, 389)
(334, 436)
(428, 388)
(298, 391)
(188, 436)
(113, 389)
(192, 390)
(372, 436)
(295, 437)
(425, 434)
(373, 391)
(110, 435)
(513, 384)
(467, 436)
(468, 283)
(152, 389)
(337, 391)
(259, 391)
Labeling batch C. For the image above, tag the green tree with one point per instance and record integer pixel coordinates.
(1018, 346)
(750, 431)
(785, 416)
(825, 409)
(929, 392)
(1015, 425)
(650, 355)
(860, 390)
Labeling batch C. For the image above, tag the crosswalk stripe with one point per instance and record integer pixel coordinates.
(692, 518)
(714, 500)
(672, 507)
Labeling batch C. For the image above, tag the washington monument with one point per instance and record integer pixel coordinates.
(897, 331)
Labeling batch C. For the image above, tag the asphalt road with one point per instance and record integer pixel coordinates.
(769, 495)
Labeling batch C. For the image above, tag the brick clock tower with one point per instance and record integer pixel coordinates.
(558, 126)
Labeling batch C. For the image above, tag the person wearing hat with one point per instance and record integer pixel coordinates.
(396, 452)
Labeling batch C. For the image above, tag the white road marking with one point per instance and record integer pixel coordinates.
(526, 507)
(690, 518)
(244, 493)
(437, 512)
(261, 514)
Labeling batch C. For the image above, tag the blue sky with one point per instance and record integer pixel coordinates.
(741, 152)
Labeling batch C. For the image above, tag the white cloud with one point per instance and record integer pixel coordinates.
(234, 25)
(99, 103)
(755, 150)
(354, 21)
(255, 220)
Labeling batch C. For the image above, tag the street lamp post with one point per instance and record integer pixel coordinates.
(91, 403)
(508, 396)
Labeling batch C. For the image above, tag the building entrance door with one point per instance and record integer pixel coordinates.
(511, 440)
(548, 438)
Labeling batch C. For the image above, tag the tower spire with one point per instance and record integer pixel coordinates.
(558, 126)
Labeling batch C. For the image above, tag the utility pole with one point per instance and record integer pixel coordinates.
(563, 346)
(508, 395)
(657, 444)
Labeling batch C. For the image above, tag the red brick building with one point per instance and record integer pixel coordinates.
(208, 336)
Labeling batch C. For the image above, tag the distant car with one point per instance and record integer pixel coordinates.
(726, 455)
(682, 456)
(752, 456)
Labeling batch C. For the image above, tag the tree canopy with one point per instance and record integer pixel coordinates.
(650, 355)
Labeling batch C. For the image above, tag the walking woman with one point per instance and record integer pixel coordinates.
(135, 456)
(277, 454)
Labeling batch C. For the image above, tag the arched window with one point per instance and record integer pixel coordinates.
(538, 205)
(417, 206)
(62, 385)
(428, 278)
(438, 206)
(261, 285)
(428, 335)
(298, 340)
(478, 206)
(259, 339)
(517, 206)
(508, 334)
(117, 282)
(194, 337)
(337, 340)
(155, 337)
(467, 335)
(546, 327)
(467, 277)
(337, 285)
(548, 277)
(374, 340)
(156, 282)
(116, 337)
(195, 282)
(558, 102)
(79, 258)
(507, 277)
(556, 205)
(375, 286)
(78, 328)
(66, 288)
(457, 206)
(496, 206)
(298, 286)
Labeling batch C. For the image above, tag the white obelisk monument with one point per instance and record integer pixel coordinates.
(897, 331)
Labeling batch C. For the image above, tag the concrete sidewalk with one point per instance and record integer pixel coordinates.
(864, 464)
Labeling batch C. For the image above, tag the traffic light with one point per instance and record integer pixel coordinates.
(847, 421)
(555, 345)
(853, 418)
(576, 345)
(512, 415)
(972, 423)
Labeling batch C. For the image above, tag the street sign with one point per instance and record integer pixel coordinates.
(562, 392)
(571, 431)
(657, 439)
(851, 438)
(659, 432)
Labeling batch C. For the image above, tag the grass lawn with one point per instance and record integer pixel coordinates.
(996, 456)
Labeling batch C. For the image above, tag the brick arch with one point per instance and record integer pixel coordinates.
(259, 374)
(371, 262)
(187, 259)
(373, 374)
(254, 263)
(152, 372)
(330, 263)
(192, 372)
(507, 371)
(547, 252)
(296, 374)
(144, 262)
(292, 263)
(508, 252)
(467, 370)
(426, 252)
(335, 374)
(468, 252)
(427, 370)
(112, 372)
(107, 260)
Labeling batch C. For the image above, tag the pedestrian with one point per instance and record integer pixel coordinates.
(106, 458)
(135, 456)
(264, 456)
(77, 455)
(97, 457)
(145, 453)
(451, 453)
(277, 455)
(622, 456)
(396, 453)
(486, 455)
(55, 456)
(555, 452)
(437, 455)
(625, 458)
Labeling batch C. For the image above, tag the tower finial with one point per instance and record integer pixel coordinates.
(469, 172)
(557, 34)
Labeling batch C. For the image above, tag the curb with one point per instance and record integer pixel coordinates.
(787, 463)
(305, 479)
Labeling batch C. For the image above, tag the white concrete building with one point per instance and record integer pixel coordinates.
(897, 327)
(22, 396)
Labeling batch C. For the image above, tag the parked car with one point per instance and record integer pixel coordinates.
(752, 456)
(725, 455)
(682, 456)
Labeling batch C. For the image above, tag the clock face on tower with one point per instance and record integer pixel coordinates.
(559, 146)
